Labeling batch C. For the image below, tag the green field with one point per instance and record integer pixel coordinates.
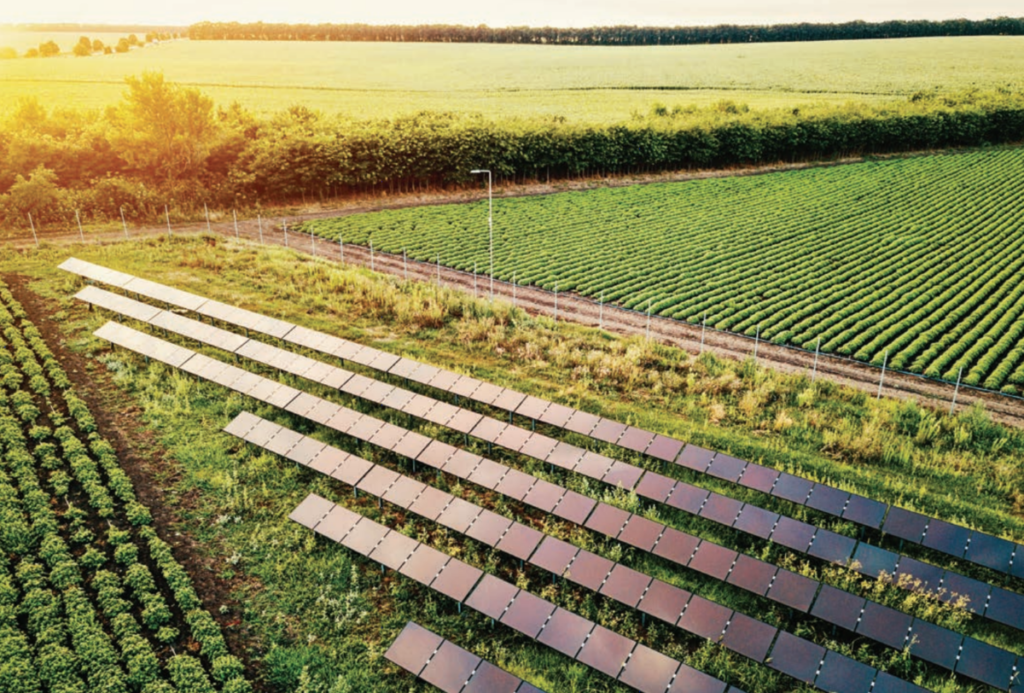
(914, 258)
(594, 84)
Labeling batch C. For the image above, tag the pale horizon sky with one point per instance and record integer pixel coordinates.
(562, 13)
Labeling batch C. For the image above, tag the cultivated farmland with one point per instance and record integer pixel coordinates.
(909, 262)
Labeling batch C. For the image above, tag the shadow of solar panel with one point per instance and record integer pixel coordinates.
(593, 465)
(311, 510)
(885, 625)
(828, 499)
(488, 527)
(749, 637)
(538, 446)
(462, 464)
(655, 487)
(404, 491)
(695, 458)
(721, 509)
(607, 431)
(436, 454)
(792, 488)
(1006, 608)
(947, 538)
(759, 478)
(520, 541)
(990, 551)
(752, 575)
(726, 467)
(796, 657)
(411, 445)
(606, 651)
(583, 423)
(565, 456)
(515, 484)
(574, 507)
(982, 662)
(532, 407)
(887, 683)
(508, 400)
(377, 480)
(676, 546)
(756, 521)
(705, 618)
(905, 524)
(841, 674)
(394, 550)
(929, 576)
(625, 585)
(565, 632)
(687, 497)
(363, 537)
(832, 547)
(872, 561)
(459, 515)
(664, 601)
(793, 534)
(838, 607)
(554, 555)
(413, 647)
(490, 679)
(975, 592)
(664, 448)
(641, 533)
(456, 580)
(450, 668)
(544, 495)
(557, 415)
(487, 473)
(793, 590)
(635, 439)
(589, 570)
(712, 559)
(935, 644)
(622, 475)
(491, 596)
(649, 671)
(607, 519)
(527, 614)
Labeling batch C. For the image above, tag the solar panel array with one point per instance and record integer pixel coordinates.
(448, 667)
(985, 600)
(612, 654)
(785, 587)
(971, 545)
(689, 612)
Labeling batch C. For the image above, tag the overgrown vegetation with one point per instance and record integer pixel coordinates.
(321, 618)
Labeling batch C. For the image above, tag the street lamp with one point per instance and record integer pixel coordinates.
(490, 223)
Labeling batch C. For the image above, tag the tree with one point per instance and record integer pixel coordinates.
(133, 40)
(83, 48)
(7, 53)
(49, 49)
(108, 50)
(37, 195)
(32, 53)
(97, 45)
(122, 46)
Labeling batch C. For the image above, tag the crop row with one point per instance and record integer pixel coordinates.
(909, 260)
(90, 597)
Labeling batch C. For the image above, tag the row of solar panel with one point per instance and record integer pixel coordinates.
(783, 586)
(447, 666)
(971, 545)
(996, 603)
(612, 654)
(675, 606)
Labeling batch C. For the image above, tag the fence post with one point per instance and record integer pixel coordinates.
(33, 225)
(167, 216)
(885, 361)
(207, 213)
(124, 224)
(600, 312)
(648, 319)
(817, 349)
(556, 302)
(79, 221)
(259, 221)
(703, 326)
(956, 391)
(757, 340)
(234, 217)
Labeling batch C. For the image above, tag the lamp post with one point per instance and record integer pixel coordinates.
(490, 223)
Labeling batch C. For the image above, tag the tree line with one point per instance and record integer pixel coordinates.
(86, 46)
(606, 35)
(167, 144)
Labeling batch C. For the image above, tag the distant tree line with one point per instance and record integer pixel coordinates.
(166, 144)
(606, 36)
(97, 28)
(86, 47)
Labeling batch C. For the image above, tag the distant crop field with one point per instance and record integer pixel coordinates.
(914, 262)
(589, 84)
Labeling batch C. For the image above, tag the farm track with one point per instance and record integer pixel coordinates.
(584, 311)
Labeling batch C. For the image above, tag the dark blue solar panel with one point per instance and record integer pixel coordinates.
(721, 509)
(872, 560)
(958, 587)
(832, 547)
(935, 644)
(838, 607)
(756, 521)
(927, 575)
(828, 499)
(841, 674)
(885, 625)
(1006, 608)
(793, 534)
(982, 662)
(759, 478)
(796, 657)
(793, 488)
(865, 511)
(748, 637)
(905, 524)
(705, 618)
(726, 467)
(990, 551)
(793, 590)
(752, 575)
(947, 538)
(712, 559)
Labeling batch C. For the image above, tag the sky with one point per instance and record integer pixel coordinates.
(568, 13)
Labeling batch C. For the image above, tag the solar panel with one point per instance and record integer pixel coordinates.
(749, 637)
(418, 406)
(885, 625)
(793, 534)
(404, 491)
(376, 393)
(726, 467)
(388, 436)
(491, 596)
(712, 559)
(625, 585)
(721, 509)
(565, 632)
(557, 415)
(538, 446)
(411, 445)
(544, 495)
(520, 541)
(583, 423)
(838, 608)
(488, 527)
(793, 590)
(508, 400)
(352, 470)
(664, 601)
(306, 451)
(607, 519)
(705, 618)
(398, 399)
(792, 488)
(664, 448)
(117, 303)
(464, 386)
(649, 671)
(459, 515)
(443, 380)
(488, 430)
(364, 537)
(456, 580)
(832, 547)
(461, 464)
(527, 614)
(873, 561)
(515, 484)
(622, 475)
(384, 361)
(593, 465)
(752, 575)
(450, 668)
(935, 644)
(905, 524)
(464, 420)
(284, 441)
(796, 657)
(404, 367)
(554, 555)
(490, 679)
(756, 521)
(687, 497)
(393, 550)
(574, 507)
(1006, 608)
(655, 486)
(982, 662)
(566, 456)
(990, 551)
(413, 648)
(487, 473)
(436, 454)
(589, 570)
(928, 575)
(338, 523)
(431, 502)
(532, 407)
(528, 688)
(676, 546)
(487, 393)
(635, 439)
(365, 428)
(641, 533)
(695, 458)
(441, 413)
(95, 272)
(828, 499)
(758, 478)
(322, 412)
(887, 683)
(959, 587)
(606, 651)
(378, 480)
(311, 511)
(947, 538)
(840, 674)
(689, 680)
